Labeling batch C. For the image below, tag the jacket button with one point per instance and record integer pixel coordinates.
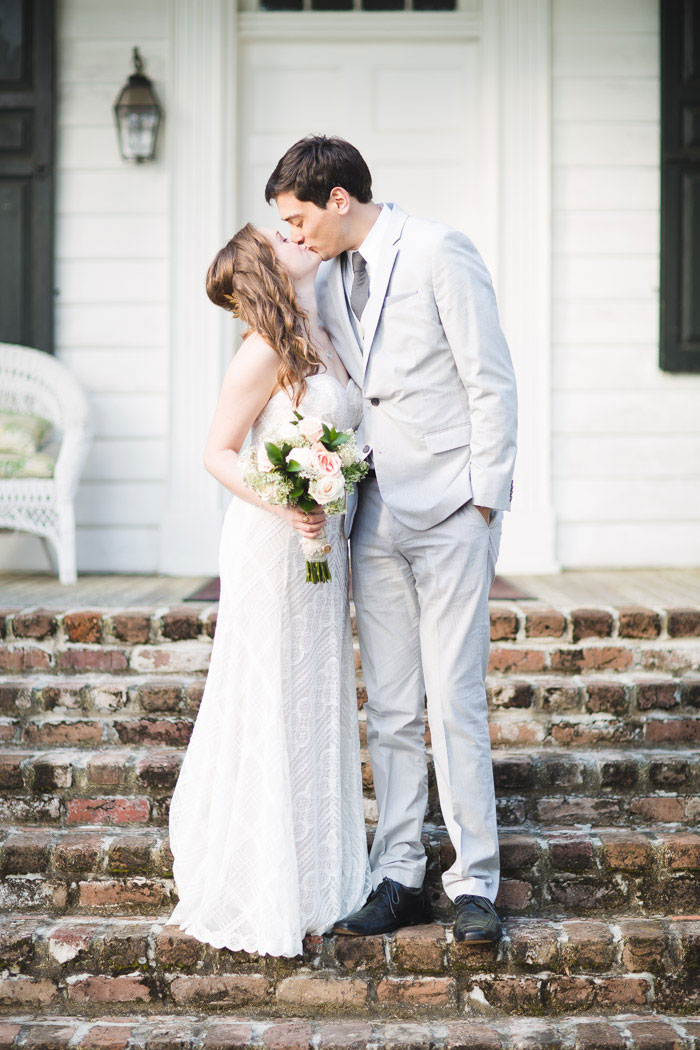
(366, 448)
(374, 401)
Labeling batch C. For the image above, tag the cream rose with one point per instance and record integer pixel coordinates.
(310, 427)
(263, 460)
(302, 456)
(327, 489)
(328, 464)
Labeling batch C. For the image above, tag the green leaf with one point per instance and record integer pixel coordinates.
(275, 454)
(293, 467)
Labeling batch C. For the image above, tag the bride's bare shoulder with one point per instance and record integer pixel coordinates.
(254, 363)
(256, 347)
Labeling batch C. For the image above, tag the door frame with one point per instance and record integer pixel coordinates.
(514, 37)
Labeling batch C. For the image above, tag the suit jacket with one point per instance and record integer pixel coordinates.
(439, 395)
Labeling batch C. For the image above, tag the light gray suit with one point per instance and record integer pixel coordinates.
(440, 414)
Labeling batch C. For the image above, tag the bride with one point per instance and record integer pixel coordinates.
(266, 823)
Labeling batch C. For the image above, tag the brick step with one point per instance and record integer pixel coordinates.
(557, 967)
(224, 1032)
(603, 786)
(644, 712)
(559, 871)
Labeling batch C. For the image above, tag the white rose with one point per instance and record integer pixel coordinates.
(327, 489)
(263, 459)
(302, 456)
(310, 427)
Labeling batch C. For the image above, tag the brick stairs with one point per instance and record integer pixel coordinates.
(595, 722)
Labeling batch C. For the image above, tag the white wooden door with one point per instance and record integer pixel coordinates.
(411, 106)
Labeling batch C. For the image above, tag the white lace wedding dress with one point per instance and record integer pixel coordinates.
(267, 826)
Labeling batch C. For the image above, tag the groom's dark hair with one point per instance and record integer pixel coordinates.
(314, 165)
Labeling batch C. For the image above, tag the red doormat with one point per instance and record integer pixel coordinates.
(502, 589)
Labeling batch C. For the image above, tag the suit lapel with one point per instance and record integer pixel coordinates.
(340, 309)
(380, 280)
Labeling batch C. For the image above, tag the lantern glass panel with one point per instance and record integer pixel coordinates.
(138, 134)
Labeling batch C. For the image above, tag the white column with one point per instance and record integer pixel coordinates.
(200, 112)
(517, 58)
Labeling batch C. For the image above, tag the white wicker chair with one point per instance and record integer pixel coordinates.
(32, 381)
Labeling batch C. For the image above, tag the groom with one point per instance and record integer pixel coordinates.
(410, 308)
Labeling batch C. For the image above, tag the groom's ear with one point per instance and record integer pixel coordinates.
(339, 200)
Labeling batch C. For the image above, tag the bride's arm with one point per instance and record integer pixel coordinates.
(248, 384)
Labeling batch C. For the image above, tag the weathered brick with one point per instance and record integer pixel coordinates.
(596, 1035)
(508, 994)
(83, 626)
(131, 626)
(15, 697)
(9, 1031)
(660, 693)
(669, 771)
(108, 768)
(16, 658)
(179, 624)
(131, 854)
(34, 623)
(624, 992)
(683, 850)
(503, 623)
(672, 730)
(420, 948)
(319, 993)
(662, 808)
(545, 623)
(607, 657)
(415, 991)
(517, 660)
(26, 851)
(360, 953)
(176, 950)
(68, 943)
(683, 623)
(468, 1035)
(638, 622)
(513, 772)
(159, 770)
(173, 732)
(510, 693)
(510, 732)
(606, 697)
(104, 1036)
(229, 991)
(654, 1035)
(114, 895)
(230, 1034)
(560, 695)
(49, 1036)
(626, 850)
(595, 732)
(294, 1035)
(74, 732)
(644, 943)
(514, 895)
(589, 945)
(620, 773)
(188, 657)
(18, 992)
(690, 691)
(100, 988)
(111, 810)
(11, 770)
(159, 696)
(567, 659)
(210, 624)
(405, 1036)
(578, 810)
(102, 659)
(571, 854)
(572, 993)
(590, 623)
(77, 852)
(534, 945)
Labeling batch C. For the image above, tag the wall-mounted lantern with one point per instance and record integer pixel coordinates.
(138, 115)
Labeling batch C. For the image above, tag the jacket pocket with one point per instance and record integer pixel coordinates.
(450, 437)
(400, 297)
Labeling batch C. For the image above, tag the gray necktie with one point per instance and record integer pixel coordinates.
(360, 285)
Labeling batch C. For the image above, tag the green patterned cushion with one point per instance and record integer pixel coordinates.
(22, 434)
(35, 465)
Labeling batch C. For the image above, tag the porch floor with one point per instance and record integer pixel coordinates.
(661, 588)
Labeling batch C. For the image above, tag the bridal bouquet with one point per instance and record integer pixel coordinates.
(306, 463)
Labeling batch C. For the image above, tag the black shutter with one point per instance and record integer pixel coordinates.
(680, 185)
(26, 172)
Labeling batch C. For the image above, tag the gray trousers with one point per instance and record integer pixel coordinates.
(423, 624)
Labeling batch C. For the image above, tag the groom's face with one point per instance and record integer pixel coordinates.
(323, 230)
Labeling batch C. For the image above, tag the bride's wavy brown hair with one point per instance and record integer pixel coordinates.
(247, 279)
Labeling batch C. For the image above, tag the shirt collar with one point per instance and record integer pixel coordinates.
(372, 244)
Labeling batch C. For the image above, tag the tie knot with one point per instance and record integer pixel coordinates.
(358, 262)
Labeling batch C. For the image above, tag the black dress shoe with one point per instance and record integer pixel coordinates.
(387, 908)
(476, 919)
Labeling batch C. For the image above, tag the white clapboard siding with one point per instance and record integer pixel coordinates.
(103, 504)
(626, 436)
(123, 371)
(127, 459)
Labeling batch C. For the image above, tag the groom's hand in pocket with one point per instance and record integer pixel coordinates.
(485, 513)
